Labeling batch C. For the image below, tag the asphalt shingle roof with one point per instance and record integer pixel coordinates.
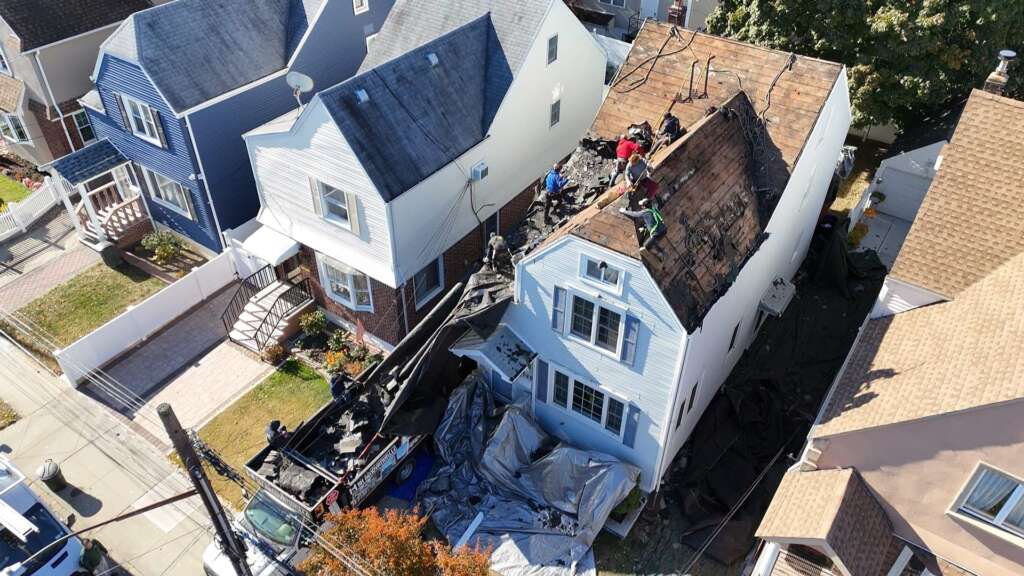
(420, 117)
(195, 50)
(11, 90)
(413, 23)
(89, 162)
(41, 22)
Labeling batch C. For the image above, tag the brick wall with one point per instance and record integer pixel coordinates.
(385, 322)
(53, 134)
(512, 214)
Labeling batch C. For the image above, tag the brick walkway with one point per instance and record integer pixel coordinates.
(57, 270)
(44, 240)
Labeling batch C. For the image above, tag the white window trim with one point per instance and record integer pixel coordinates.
(553, 368)
(996, 526)
(615, 289)
(369, 39)
(14, 133)
(598, 302)
(327, 214)
(439, 262)
(901, 562)
(321, 264)
(363, 10)
(78, 126)
(557, 101)
(141, 134)
(5, 68)
(150, 176)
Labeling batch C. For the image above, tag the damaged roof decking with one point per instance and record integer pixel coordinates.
(970, 222)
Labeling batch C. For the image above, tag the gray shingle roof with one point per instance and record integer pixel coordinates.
(412, 23)
(420, 117)
(89, 162)
(195, 50)
(41, 22)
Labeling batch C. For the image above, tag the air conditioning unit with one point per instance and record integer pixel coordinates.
(479, 172)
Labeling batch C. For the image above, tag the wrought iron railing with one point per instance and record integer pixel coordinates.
(249, 287)
(289, 300)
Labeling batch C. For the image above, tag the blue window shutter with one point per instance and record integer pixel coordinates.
(558, 310)
(632, 423)
(630, 339)
(541, 389)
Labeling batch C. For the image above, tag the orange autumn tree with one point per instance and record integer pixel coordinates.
(388, 544)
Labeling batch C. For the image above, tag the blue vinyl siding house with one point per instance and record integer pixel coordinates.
(176, 87)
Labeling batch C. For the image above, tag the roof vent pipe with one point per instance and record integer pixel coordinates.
(997, 80)
(432, 58)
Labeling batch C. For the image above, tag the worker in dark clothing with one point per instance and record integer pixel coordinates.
(671, 129)
(93, 559)
(625, 149)
(654, 222)
(497, 251)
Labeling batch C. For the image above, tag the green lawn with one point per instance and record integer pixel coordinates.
(869, 156)
(7, 415)
(11, 190)
(89, 300)
(291, 394)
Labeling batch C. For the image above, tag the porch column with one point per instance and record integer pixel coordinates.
(59, 187)
(91, 210)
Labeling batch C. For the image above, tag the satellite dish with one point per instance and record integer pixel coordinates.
(300, 84)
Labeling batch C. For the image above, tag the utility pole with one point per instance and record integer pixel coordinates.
(232, 545)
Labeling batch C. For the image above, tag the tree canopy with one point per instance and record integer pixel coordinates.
(907, 59)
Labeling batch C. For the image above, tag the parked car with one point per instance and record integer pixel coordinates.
(27, 527)
(272, 537)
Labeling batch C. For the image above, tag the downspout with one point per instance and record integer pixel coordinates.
(53, 101)
(205, 183)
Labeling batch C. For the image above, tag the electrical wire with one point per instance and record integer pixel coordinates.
(661, 54)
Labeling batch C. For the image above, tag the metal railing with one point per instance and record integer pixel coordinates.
(289, 300)
(249, 287)
(790, 564)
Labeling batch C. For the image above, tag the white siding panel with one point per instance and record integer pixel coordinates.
(283, 164)
(897, 296)
(521, 146)
(708, 358)
(648, 383)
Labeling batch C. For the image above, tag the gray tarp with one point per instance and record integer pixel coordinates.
(543, 504)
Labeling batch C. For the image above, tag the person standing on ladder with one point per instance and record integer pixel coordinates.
(654, 222)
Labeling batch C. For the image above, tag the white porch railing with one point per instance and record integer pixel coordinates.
(20, 215)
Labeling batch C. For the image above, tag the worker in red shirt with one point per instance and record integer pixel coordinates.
(623, 151)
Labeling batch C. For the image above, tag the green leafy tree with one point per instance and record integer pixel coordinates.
(907, 59)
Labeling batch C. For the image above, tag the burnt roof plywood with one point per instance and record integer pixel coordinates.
(972, 219)
(42, 22)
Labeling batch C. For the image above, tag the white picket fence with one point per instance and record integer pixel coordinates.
(20, 215)
(99, 347)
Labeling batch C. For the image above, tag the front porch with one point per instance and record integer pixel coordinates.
(109, 207)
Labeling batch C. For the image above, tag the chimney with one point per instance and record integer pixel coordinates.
(996, 81)
(677, 13)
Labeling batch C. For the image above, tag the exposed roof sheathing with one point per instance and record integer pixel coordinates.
(833, 507)
(195, 50)
(972, 219)
(419, 117)
(42, 22)
(413, 23)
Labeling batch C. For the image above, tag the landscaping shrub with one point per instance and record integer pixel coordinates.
(313, 323)
(389, 543)
(274, 354)
(338, 341)
(164, 245)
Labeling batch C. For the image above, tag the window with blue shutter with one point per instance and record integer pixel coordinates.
(558, 310)
(541, 384)
(630, 339)
(632, 423)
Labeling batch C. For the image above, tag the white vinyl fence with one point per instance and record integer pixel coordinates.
(20, 215)
(96, 349)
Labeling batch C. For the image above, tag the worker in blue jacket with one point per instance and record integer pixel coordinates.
(554, 183)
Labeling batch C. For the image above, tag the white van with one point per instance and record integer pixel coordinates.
(271, 536)
(26, 527)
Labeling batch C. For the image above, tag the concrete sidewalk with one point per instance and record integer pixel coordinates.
(110, 467)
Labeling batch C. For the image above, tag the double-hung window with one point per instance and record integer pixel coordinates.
(335, 205)
(13, 129)
(84, 126)
(597, 325)
(428, 282)
(996, 498)
(595, 405)
(168, 193)
(141, 120)
(345, 285)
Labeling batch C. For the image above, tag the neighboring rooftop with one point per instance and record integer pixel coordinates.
(833, 508)
(411, 116)
(195, 50)
(413, 23)
(971, 222)
(39, 23)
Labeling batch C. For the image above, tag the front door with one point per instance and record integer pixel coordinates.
(289, 270)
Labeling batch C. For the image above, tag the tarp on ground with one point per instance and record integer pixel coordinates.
(542, 503)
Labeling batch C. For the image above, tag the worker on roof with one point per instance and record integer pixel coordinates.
(554, 184)
(625, 149)
(670, 131)
(636, 171)
(654, 222)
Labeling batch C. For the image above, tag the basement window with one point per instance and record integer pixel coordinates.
(428, 282)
